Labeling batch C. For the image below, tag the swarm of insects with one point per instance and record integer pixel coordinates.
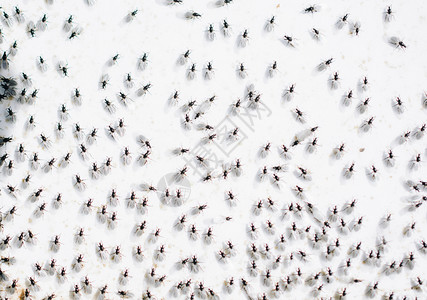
(223, 150)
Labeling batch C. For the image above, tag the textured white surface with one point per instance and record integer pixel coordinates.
(163, 33)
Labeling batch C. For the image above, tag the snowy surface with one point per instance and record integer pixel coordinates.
(163, 32)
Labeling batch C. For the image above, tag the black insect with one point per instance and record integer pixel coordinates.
(348, 172)
(244, 38)
(63, 69)
(242, 71)
(184, 57)
(79, 183)
(132, 15)
(367, 124)
(144, 89)
(334, 81)
(191, 74)
(315, 33)
(299, 115)
(388, 14)
(311, 9)
(397, 42)
(192, 15)
(226, 28)
(269, 26)
(74, 33)
(114, 59)
(210, 34)
(289, 40)
(342, 21)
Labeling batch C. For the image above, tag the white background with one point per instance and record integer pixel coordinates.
(164, 34)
